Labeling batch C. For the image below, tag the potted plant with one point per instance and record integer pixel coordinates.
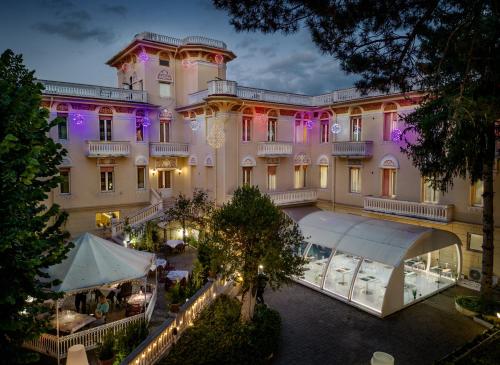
(176, 296)
(414, 292)
(105, 351)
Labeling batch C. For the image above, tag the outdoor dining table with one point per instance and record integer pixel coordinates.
(71, 321)
(139, 298)
(174, 243)
(177, 275)
(368, 279)
(343, 271)
(161, 262)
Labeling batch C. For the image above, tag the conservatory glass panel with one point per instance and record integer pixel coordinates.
(302, 248)
(317, 258)
(371, 283)
(340, 273)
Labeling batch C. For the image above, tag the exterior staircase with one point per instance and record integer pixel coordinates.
(158, 206)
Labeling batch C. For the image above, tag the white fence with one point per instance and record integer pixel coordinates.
(270, 149)
(108, 148)
(93, 91)
(138, 217)
(160, 149)
(435, 212)
(294, 197)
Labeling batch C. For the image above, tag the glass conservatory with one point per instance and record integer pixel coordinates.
(377, 265)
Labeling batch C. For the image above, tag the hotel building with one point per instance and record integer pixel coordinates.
(173, 123)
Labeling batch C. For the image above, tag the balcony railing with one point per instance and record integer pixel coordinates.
(160, 38)
(274, 149)
(172, 149)
(434, 212)
(108, 149)
(227, 87)
(293, 197)
(353, 149)
(93, 91)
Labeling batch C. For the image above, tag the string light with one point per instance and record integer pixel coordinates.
(78, 119)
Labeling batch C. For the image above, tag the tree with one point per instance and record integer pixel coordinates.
(31, 233)
(250, 231)
(447, 49)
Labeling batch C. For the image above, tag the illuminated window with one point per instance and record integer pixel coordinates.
(300, 176)
(475, 242)
(107, 179)
(325, 131)
(164, 179)
(247, 175)
(354, 180)
(164, 130)
(106, 218)
(165, 89)
(389, 182)
(105, 129)
(64, 185)
(141, 177)
(62, 129)
(323, 176)
(390, 124)
(477, 194)
(271, 129)
(356, 129)
(430, 195)
(139, 131)
(271, 178)
(245, 132)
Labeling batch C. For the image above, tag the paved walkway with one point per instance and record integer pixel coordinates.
(318, 329)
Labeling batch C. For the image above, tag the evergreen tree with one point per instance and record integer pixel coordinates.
(31, 232)
(448, 49)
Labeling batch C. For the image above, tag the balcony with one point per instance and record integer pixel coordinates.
(93, 91)
(169, 149)
(350, 149)
(433, 212)
(221, 87)
(108, 149)
(274, 149)
(293, 197)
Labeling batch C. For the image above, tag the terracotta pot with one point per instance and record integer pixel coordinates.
(465, 311)
(107, 362)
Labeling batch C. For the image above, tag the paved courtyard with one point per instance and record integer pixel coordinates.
(321, 330)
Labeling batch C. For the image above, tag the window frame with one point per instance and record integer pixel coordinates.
(160, 83)
(246, 129)
(272, 129)
(105, 133)
(108, 172)
(323, 169)
(473, 195)
(324, 132)
(165, 127)
(66, 180)
(160, 60)
(300, 176)
(358, 183)
(61, 127)
(247, 175)
(387, 134)
(356, 121)
(272, 183)
(143, 177)
(424, 189)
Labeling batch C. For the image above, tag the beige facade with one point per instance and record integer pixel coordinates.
(172, 106)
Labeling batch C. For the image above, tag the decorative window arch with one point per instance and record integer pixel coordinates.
(355, 110)
(248, 161)
(105, 110)
(62, 107)
(193, 160)
(165, 114)
(247, 111)
(272, 114)
(209, 160)
(141, 160)
(301, 159)
(322, 160)
(390, 107)
(164, 75)
(389, 162)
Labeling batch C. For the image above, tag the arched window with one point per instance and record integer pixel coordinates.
(246, 125)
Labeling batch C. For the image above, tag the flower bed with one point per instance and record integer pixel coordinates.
(218, 337)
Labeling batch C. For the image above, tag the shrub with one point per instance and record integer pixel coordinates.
(218, 336)
(105, 351)
(128, 339)
(476, 304)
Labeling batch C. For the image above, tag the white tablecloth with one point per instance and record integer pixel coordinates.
(174, 243)
(71, 321)
(177, 275)
(161, 262)
(139, 298)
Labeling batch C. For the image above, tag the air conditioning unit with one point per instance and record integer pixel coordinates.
(475, 274)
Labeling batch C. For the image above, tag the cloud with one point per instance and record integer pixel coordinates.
(76, 30)
(116, 9)
(59, 7)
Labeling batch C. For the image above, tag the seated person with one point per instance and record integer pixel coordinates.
(102, 307)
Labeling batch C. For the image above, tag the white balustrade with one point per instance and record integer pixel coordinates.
(435, 212)
(93, 91)
(270, 149)
(180, 42)
(143, 215)
(108, 148)
(221, 87)
(162, 149)
(293, 197)
(352, 149)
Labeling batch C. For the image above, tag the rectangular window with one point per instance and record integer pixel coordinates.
(430, 195)
(165, 90)
(271, 129)
(300, 176)
(164, 63)
(105, 129)
(355, 180)
(247, 175)
(139, 132)
(64, 185)
(164, 131)
(106, 218)
(271, 178)
(389, 182)
(245, 130)
(477, 194)
(107, 179)
(325, 131)
(474, 242)
(141, 177)
(323, 176)
(390, 123)
(356, 129)
(62, 129)
(164, 179)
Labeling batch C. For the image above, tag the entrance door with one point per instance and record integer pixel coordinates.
(389, 182)
(165, 183)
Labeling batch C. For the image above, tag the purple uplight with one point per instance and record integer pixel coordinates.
(78, 119)
(143, 56)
